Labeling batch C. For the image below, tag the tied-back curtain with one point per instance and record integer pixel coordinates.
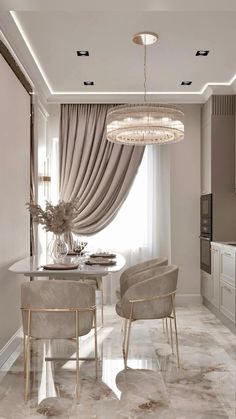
(92, 169)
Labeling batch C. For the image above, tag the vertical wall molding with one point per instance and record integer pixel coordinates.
(223, 105)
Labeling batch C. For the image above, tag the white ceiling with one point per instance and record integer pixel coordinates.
(46, 40)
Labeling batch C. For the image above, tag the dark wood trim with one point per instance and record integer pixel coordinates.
(15, 67)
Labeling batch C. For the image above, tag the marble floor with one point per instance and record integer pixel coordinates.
(152, 387)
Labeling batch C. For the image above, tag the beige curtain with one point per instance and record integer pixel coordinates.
(96, 171)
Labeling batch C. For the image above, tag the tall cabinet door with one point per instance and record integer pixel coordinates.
(215, 273)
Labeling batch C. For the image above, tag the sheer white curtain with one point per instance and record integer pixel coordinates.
(141, 229)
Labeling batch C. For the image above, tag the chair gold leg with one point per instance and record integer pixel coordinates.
(128, 334)
(27, 360)
(77, 353)
(124, 336)
(167, 331)
(102, 303)
(177, 344)
(27, 369)
(24, 354)
(171, 336)
(95, 343)
(127, 342)
(99, 285)
(176, 333)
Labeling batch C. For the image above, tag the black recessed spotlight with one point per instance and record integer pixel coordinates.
(88, 83)
(186, 83)
(82, 53)
(202, 53)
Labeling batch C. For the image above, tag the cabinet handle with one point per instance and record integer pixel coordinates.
(227, 254)
(228, 289)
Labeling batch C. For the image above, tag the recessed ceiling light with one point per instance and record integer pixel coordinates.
(82, 53)
(88, 83)
(186, 83)
(202, 52)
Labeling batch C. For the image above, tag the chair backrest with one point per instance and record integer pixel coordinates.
(135, 271)
(57, 294)
(162, 283)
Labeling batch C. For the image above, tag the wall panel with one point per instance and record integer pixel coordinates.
(14, 193)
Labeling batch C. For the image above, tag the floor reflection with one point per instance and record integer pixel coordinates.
(152, 386)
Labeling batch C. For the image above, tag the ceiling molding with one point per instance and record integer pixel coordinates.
(54, 96)
(121, 5)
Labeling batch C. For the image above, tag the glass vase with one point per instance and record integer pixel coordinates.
(58, 248)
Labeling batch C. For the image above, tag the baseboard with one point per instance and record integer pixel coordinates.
(10, 346)
(186, 299)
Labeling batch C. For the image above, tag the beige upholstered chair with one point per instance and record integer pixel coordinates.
(54, 309)
(126, 279)
(149, 295)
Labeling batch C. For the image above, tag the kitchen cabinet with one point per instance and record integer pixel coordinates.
(207, 285)
(227, 265)
(227, 300)
(218, 163)
(215, 274)
(210, 283)
(220, 290)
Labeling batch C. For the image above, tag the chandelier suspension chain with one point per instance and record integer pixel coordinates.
(145, 73)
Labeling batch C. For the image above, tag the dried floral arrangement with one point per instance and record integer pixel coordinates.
(55, 218)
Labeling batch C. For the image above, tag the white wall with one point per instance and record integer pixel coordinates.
(14, 192)
(185, 205)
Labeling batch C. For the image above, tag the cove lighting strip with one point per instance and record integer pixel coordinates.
(7, 44)
(29, 46)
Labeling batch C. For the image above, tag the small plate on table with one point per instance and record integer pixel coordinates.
(100, 261)
(60, 266)
(103, 255)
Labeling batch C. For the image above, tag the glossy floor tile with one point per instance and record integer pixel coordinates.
(152, 387)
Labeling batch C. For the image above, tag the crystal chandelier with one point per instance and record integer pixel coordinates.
(145, 123)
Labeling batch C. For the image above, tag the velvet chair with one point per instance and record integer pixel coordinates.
(56, 310)
(126, 276)
(149, 295)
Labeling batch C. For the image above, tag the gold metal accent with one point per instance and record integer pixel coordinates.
(171, 336)
(27, 356)
(128, 334)
(167, 331)
(155, 297)
(28, 338)
(172, 316)
(176, 333)
(145, 38)
(95, 342)
(99, 285)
